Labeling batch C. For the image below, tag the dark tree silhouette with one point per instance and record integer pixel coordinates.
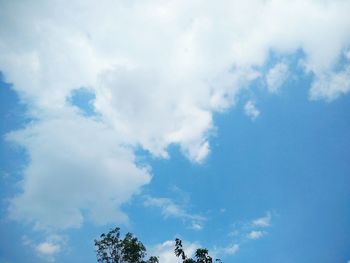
(111, 249)
(201, 255)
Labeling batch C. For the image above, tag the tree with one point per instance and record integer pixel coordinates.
(201, 255)
(112, 249)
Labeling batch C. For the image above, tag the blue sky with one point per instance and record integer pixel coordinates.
(226, 125)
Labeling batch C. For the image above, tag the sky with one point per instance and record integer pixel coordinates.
(223, 123)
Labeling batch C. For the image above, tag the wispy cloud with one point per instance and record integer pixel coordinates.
(244, 232)
(196, 226)
(256, 234)
(248, 231)
(231, 249)
(170, 209)
(48, 249)
(263, 221)
(250, 110)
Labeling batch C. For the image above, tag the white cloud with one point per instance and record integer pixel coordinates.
(165, 251)
(171, 209)
(256, 234)
(247, 231)
(224, 251)
(250, 110)
(251, 229)
(159, 70)
(232, 249)
(47, 249)
(263, 221)
(76, 164)
(196, 226)
(276, 76)
(330, 86)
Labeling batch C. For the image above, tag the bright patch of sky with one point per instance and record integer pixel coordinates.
(225, 124)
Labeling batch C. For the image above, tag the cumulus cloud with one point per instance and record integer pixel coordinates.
(158, 70)
(76, 164)
(170, 209)
(276, 76)
(250, 110)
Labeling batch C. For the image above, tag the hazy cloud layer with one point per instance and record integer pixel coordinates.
(159, 70)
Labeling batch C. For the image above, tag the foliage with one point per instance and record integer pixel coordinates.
(112, 249)
(201, 255)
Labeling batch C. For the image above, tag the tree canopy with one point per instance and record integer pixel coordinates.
(201, 255)
(110, 248)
